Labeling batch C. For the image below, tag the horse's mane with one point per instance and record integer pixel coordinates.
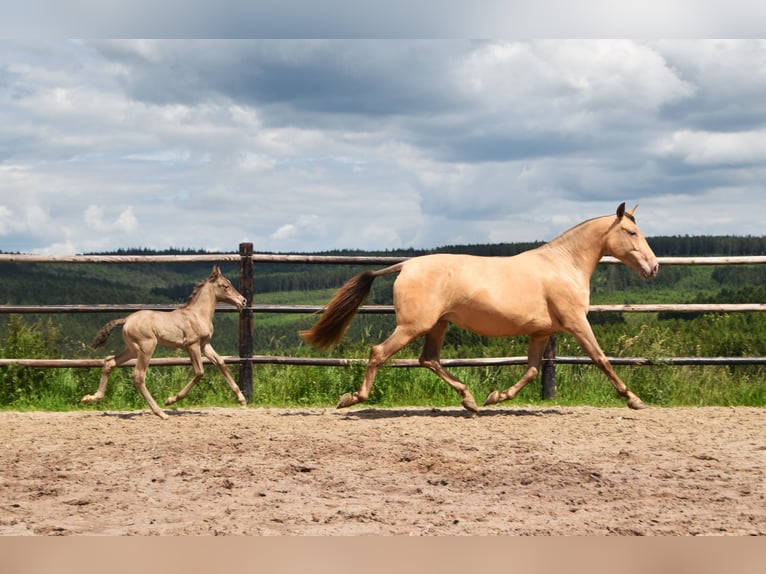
(584, 223)
(197, 288)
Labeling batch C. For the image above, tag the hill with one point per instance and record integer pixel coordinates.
(48, 284)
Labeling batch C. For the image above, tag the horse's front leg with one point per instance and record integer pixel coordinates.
(218, 362)
(583, 333)
(195, 355)
(534, 359)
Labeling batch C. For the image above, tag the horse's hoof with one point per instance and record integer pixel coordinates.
(492, 398)
(470, 405)
(170, 400)
(636, 404)
(87, 399)
(346, 401)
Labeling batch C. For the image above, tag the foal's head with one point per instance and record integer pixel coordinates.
(224, 290)
(626, 242)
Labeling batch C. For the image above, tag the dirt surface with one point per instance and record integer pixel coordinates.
(414, 471)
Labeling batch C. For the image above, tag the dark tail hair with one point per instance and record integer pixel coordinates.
(341, 309)
(103, 334)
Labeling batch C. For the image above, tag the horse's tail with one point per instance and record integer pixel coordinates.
(103, 334)
(342, 307)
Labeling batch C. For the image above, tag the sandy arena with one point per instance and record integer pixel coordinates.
(415, 471)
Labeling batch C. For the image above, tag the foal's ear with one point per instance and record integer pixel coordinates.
(216, 272)
(633, 211)
(621, 210)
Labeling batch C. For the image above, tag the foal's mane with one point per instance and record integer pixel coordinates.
(197, 288)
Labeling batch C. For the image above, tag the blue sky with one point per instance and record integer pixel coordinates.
(308, 145)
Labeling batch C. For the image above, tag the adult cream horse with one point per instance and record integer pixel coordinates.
(539, 292)
(189, 327)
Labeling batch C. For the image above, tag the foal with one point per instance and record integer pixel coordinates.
(189, 327)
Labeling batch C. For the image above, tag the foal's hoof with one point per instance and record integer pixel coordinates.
(636, 404)
(347, 400)
(170, 401)
(470, 405)
(492, 398)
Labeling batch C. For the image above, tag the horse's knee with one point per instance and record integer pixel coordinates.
(430, 364)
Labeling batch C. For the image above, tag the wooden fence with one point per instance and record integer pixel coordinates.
(248, 261)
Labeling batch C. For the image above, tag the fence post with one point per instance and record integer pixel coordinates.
(549, 369)
(246, 320)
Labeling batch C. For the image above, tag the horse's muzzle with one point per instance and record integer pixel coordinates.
(649, 271)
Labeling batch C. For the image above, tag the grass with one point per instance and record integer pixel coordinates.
(310, 386)
(23, 388)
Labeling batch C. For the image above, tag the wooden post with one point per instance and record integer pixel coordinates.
(549, 369)
(246, 320)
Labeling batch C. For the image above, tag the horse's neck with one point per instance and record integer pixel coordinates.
(583, 245)
(203, 301)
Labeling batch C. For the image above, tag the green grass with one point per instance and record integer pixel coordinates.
(639, 335)
(313, 386)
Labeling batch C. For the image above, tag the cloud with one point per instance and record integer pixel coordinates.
(307, 145)
(710, 149)
(125, 221)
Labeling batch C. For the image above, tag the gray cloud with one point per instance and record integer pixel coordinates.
(322, 144)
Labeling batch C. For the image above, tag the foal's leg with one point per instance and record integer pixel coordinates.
(139, 378)
(109, 363)
(429, 359)
(196, 359)
(218, 362)
(379, 354)
(534, 359)
(583, 333)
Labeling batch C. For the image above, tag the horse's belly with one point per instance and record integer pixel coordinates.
(499, 323)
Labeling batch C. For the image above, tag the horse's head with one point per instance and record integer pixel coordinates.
(626, 242)
(224, 290)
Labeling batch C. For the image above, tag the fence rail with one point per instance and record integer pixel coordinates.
(246, 358)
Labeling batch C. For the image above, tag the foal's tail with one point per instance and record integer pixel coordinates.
(103, 334)
(342, 307)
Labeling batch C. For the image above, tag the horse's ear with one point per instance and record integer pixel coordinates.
(216, 271)
(621, 210)
(633, 211)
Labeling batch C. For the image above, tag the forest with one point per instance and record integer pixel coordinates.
(652, 335)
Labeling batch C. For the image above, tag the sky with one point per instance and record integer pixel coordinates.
(304, 145)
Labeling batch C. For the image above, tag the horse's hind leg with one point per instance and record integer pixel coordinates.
(139, 378)
(429, 359)
(109, 363)
(534, 359)
(379, 354)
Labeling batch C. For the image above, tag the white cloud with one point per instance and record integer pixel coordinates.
(305, 225)
(316, 145)
(709, 149)
(125, 221)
